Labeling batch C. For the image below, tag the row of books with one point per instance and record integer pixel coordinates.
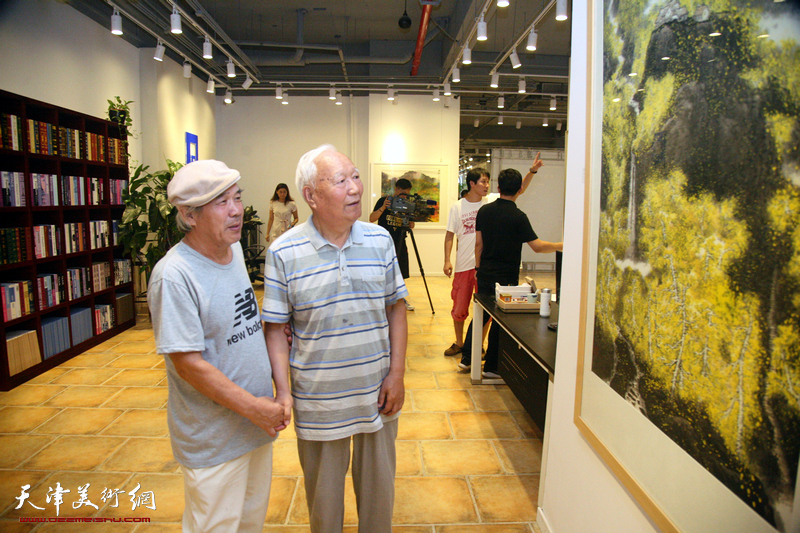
(78, 282)
(13, 189)
(14, 245)
(17, 299)
(95, 147)
(103, 318)
(22, 347)
(46, 241)
(115, 188)
(99, 234)
(117, 152)
(45, 189)
(50, 289)
(10, 131)
(77, 190)
(42, 138)
(123, 273)
(55, 335)
(101, 276)
(69, 142)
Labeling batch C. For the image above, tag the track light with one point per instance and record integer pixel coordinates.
(248, 81)
(210, 88)
(466, 56)
(332, 93)
(515, 62)
(338, 98)
(228, 97)
(390, 94)
(208, 52)
(544, 122)
(187, 69)
(519, 124)
(495, 80)
(285, 98)
(501, 102)
(502, 3)
(500, 120)
(175, 21)
(436, 95)
(116, 22)
(231, 68)
(279, 92)
(456, 75)
(159, 55)
(447, 91)
(552, 104)
(521, 86)
(533, 39)
(481, 30)
(558, 126)
(561, 9)
(476, 123)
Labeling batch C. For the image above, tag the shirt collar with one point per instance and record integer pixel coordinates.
(318, 241)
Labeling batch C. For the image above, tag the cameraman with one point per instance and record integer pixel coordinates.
(395, 225)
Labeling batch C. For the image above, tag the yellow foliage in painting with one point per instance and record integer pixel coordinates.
(651, 119)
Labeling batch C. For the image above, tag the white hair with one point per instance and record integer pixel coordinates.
(306, 173)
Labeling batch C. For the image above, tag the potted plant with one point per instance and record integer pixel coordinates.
(119, 111)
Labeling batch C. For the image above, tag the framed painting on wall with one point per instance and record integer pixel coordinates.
(689, 374)
(426, 183)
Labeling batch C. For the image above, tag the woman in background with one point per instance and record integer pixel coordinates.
(281, 210)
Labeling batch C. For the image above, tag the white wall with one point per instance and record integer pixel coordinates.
(53, 53)
(580, 493)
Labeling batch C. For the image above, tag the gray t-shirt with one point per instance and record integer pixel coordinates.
(198, 305)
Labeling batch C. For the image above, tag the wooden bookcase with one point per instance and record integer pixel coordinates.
(96, 204)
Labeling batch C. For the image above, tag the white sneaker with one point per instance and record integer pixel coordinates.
(409, 307)
(491, 375)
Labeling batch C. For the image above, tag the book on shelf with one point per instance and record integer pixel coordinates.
(115, 188)
(45, 189)
(123, 273)
(95, 146)
(10, 132)
(51, 290)
(78, 282)
(81, 323)
(125, 309)
(46, 241)
(73, 190)
(104, 318)
(14, 245)
(22, 347)
(95, 191)
(17, 299)
(13, 189)
(74, 237)
(116, 151)
(101, 276)
(42, 138)
(55, 335)
(69, 142)
(99, 235)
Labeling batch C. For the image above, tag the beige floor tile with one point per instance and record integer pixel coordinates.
(299, 510)
(431, 363)
(432, 500)
(441, 400)
(139, 397)
(77, 453)
(11, 483)
(26, 394)
(520, 456)
(23, 419)
(434, 339)
(136, 335)
(485, 528)
(460, 458)
(506, 498)
(484, 426)
(414, 350)
(97, 483)
(161, 527)
(104, 346)
(136, 361)
(134, 347)
(134, 377)
(90, 360)
(140, 423)
(83, 396)
(14, 526)
(415, 380)
(281, 494)
(285, 529)
(526, 424)
(143, 455)
(500, 399)
(15, 449)
(47, 377)
(423, 426)
(108, 527)
(409, 460)
(86, 376)
(167, 495)
(285, 461)
(78, 421)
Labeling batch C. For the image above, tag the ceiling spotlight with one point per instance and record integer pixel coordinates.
(515, 62)
(558, 126)
(207, 49)
(404, 21)
(332, 93)
(159, 55)
(519, 124)
(552, 104)
(500, 119)
(116, 22)
(279, 92)
(476, 123)
(481, 30)
(544, 122)
(456, 75)
(466, 56)
(231, 68)
(447, 91)
(338, 98)
(228, 96)
(390, 94)
(533, 39)
(502, 3)
(175, 21)
(561, 9)
(187, 69)
(447, 101)
(285, 98)
(210, 88)
(521, 88)
(248, 81)
(501, 102)
(495, 80)
(436, 95)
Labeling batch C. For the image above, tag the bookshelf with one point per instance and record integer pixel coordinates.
(64, 283)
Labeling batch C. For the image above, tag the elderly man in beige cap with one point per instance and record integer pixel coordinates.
(221, 412)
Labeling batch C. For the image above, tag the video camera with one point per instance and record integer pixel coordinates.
(411, 209)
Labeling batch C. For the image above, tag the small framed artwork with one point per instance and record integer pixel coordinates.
(426, 183)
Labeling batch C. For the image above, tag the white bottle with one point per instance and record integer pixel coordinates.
(544, 299)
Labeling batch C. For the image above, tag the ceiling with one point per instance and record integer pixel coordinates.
(357, 47)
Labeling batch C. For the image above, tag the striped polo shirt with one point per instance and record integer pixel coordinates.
(336, 299)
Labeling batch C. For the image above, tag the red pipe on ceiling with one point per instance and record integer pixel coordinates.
(423, 31)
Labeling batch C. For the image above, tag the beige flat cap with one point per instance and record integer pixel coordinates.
(200, 182)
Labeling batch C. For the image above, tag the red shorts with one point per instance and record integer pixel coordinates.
(464, 285)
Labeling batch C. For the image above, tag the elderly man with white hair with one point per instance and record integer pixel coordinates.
(336, 279)
(221, 412)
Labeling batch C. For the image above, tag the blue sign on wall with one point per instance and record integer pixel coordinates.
(191, 147)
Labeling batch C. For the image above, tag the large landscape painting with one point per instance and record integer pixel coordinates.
(697, 308)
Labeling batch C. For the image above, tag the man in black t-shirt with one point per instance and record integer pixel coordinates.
(501, 229)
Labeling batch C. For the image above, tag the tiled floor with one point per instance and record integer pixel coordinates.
(468, 456)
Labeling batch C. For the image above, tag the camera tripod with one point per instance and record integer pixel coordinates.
(421, 270)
